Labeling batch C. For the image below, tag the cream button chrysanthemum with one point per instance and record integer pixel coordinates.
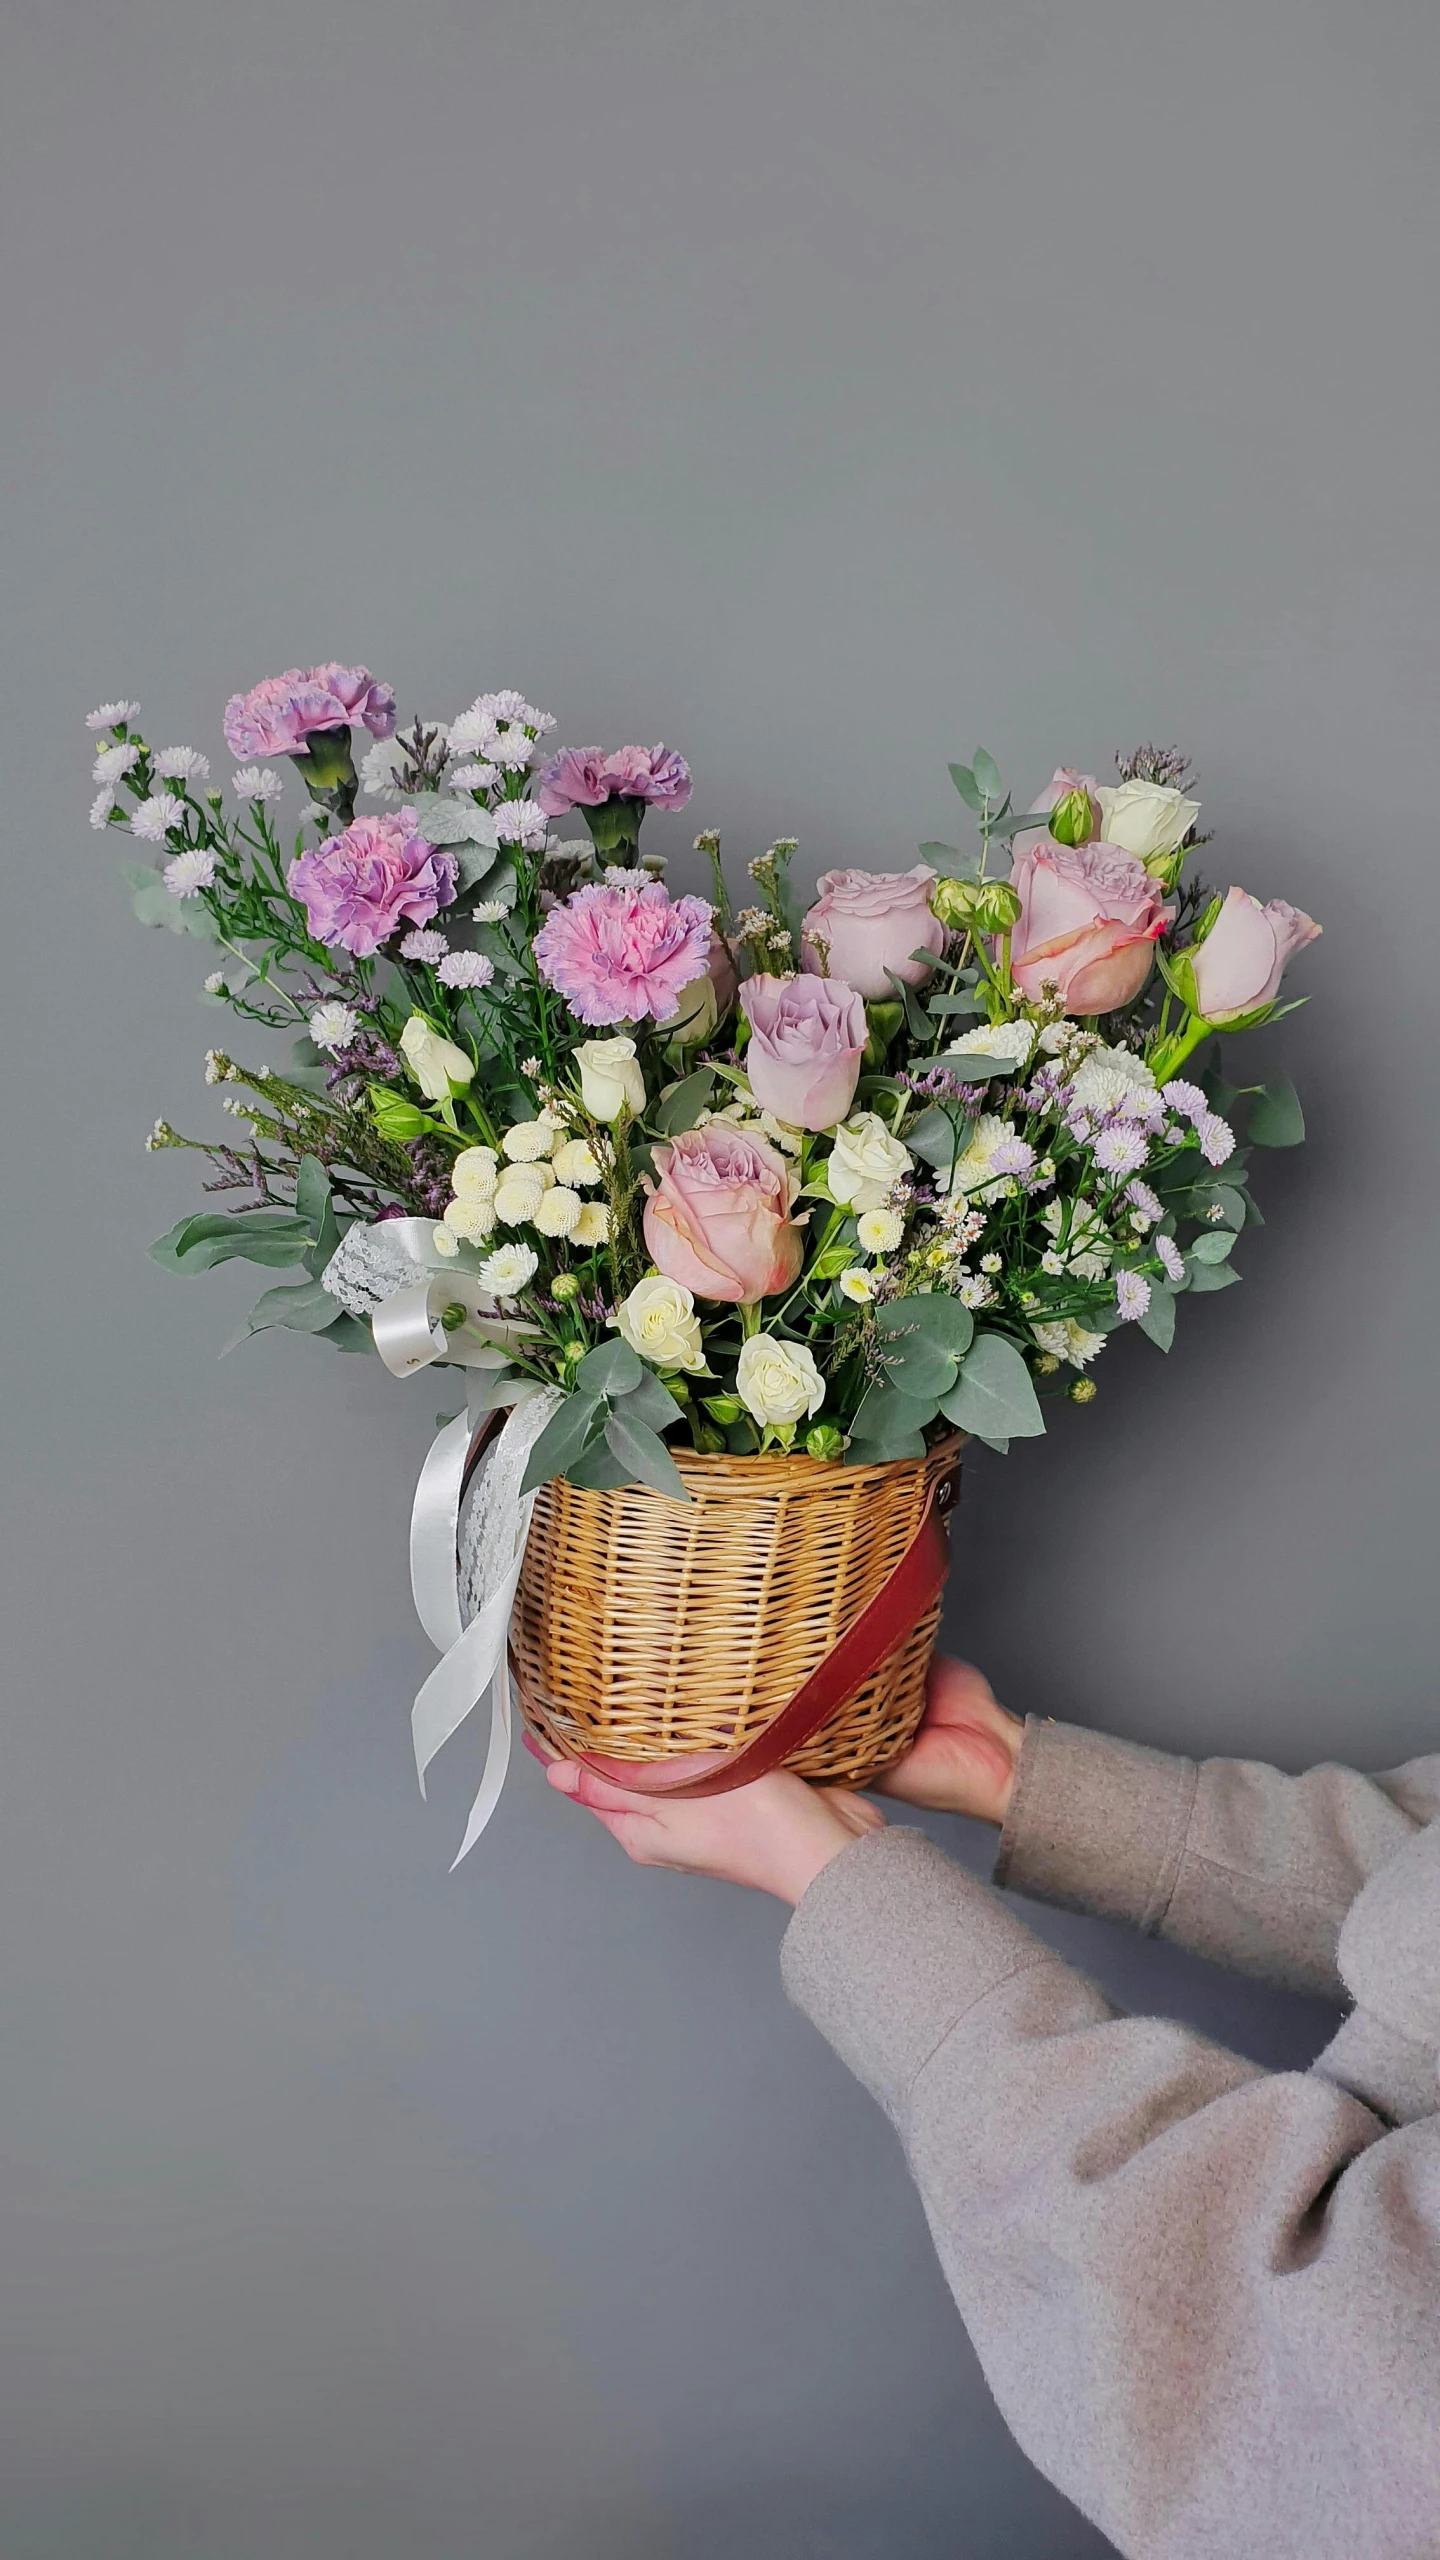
(857, 1286)
(472, 1219)
(575, 1163)
(558, 1211)
(530, 1141)
(880, 1230)
(777, 1382)
(519, 1192)
(446, 1245)
(473, 1175)
(592, 1227)
(658, 1320)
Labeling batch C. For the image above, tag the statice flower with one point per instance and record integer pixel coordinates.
(521, 822)
(1171, 1258)
(113, 763)
(616, 955)
(360, 887)
(110, 715)
(187, 873)
(1132, 1295)
(101, 806)
(180, 764)
(1187, 1099)
(154, 817)
(583, 777)
(276, 717)
(1120, 1149)
(1217, 1138)
(465, 969)
(423, 945)
(257, 783)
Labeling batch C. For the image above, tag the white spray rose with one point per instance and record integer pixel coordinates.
(1145, 818)
(611, 1078)
(778, 1382)
(438, 1067)
(865, 1162)
(658, 1320)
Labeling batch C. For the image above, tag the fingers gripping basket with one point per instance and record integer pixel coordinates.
(646, 1628)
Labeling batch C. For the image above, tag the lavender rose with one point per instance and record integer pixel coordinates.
(277, 717)
(1239, 965)
(718, 1218)
(360, 887)
(870, 922)
(807, 1036)
(1088, 916)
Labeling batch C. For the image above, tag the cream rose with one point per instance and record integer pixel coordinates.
(865, 1162)
(612, 1079)
(1145, 818)
(438, 1067)
(778, 1382)
(658, 1320)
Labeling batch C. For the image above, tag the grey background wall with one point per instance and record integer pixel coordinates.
(821, 388)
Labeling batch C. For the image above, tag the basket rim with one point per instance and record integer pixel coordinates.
(726, 1469)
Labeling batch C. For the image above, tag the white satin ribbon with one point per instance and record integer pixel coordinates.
(408, 1330)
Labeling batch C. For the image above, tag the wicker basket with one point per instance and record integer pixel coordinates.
(646, 1628)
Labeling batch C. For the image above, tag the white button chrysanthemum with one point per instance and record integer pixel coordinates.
(557, 1212)
(880, 1230)
(256, 782)
(109, 715)
(333, 1025)
(519, 1192)
(530, 1141)
(592, 1227)
(1108, 1077)
(187, 873)
(509, 1271)
(446, 1245)
(472, 1219)
(474, 1174)
(575, 1163)
(180, 764)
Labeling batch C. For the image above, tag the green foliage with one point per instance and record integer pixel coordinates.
(274, 1236)
(680, 1105)
(994, 1397)
(1275, 1118)
(154, 904)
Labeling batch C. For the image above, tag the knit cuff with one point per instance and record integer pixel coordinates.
(1096, 1824)
(889, 1948)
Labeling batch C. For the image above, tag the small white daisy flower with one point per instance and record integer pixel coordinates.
(521, 822)
(509, 1271)
(465, 969)
(990, 1262)
(113, 763)
(256, 782)
(490, 910)
(187, 873)
(101, 806)
(154, 819)
(424, 945)
(333, 1025)
(180, 764)
(857, 1286)
(215, 984)
(109, 715)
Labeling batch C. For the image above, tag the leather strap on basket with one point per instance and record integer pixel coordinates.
(883, 1624)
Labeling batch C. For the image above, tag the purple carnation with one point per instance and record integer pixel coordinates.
(584, 777)
(275, 718)
(360, 887)
(617, 954)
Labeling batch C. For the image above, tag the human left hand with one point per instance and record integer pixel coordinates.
(775, 1834)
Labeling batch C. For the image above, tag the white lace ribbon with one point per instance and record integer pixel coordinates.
(391, 1273)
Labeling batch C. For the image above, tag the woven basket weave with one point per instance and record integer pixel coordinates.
(646, 1628)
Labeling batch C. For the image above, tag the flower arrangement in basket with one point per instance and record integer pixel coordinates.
(738, 1220)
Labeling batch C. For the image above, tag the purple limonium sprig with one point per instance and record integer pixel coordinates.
(365, 1056)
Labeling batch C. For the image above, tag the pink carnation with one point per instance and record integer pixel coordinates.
(617, 954)
(583, 777)
(360, 887)
(275, 718)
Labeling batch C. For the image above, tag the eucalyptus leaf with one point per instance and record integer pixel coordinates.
(650, 1402)
(632, 1443)
(599, 1470)
(887, 1414)
(955, 1000)
(937, 1137)
(993, 1394)
(1210, 1275)
(1000, 1447)
(1020, 822)
(611, 1369)
(939, 1318)
(881, 1453)
(474, 864)
(952, 862)
(154, 904)
(308, 1309)
(1215, 1245)
(920, 1368)
(441, 819)
(1275, 1118)
(269, 1236)
(680, 1107)
(1158, 1322)
(987, 775)
(915, 1014)
(567, 1434)
(348, 1333)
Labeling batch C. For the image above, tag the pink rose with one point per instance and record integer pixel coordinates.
(1239, 965)
(807, 1036)
(871, 921)
(718, 1219)
(1088, 916)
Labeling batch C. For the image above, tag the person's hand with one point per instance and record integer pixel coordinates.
(776, 1834)
(963, 1758)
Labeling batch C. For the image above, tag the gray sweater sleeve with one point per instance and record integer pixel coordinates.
(1200, 2293)
(1228, 1857)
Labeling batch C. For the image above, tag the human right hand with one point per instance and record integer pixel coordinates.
(963, 1758)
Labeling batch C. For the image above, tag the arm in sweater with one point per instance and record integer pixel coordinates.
(1228, 1858)
(1205, 2297)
